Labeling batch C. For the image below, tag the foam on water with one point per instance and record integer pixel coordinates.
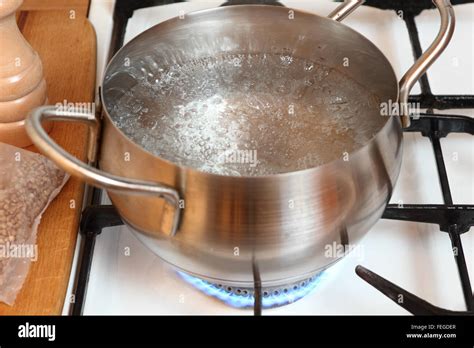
(289, 113)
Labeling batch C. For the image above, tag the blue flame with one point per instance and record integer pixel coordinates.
(243, 301)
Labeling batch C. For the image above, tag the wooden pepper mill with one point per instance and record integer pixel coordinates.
(22, 85)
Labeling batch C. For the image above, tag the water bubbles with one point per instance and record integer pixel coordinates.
(148, 122)
(237, 61)
(150, 78)
(309, 66)
(286, 60)
(321, 73)
(249, 85)
(337, 100)
(216, 100)
(199, 113)
(347, 115)
(299, 92)
(282, 88)
(136, 108)
(309, 81)
(208, 92)
(253, 102)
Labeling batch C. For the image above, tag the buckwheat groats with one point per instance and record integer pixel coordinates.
(28, 183)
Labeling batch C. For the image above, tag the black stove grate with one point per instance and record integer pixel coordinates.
(453, 219)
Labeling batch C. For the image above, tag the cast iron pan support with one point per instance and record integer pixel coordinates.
(452, 219)
(94, 219)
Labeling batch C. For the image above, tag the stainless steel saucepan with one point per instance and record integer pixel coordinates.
(247, 134)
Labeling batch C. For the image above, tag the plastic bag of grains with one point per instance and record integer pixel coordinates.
(28, 183)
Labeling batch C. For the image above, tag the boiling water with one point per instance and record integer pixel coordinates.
(252, 114)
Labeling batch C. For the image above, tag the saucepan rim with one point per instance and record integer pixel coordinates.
(307, 171)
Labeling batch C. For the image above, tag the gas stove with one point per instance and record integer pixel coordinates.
(417, 259)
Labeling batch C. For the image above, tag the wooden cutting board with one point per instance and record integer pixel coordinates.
(60, 32)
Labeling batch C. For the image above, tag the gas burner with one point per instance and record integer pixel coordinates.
(242, 297)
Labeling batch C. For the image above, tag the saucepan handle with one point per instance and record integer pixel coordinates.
(427, 58)
(84, 171)
(345, 9)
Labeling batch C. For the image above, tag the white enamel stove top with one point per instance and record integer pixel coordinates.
(126, 278)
